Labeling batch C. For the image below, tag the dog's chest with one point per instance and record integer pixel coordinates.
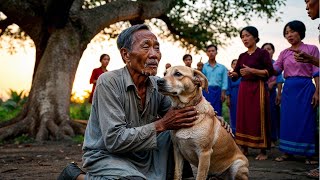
(198, 131)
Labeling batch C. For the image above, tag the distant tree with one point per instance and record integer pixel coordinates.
(61, 30)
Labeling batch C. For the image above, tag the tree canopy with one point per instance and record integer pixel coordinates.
(194, 23)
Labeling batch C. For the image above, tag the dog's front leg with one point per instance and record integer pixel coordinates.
(178, 161)
(204, 164)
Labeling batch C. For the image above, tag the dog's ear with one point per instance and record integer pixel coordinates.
(200, 79)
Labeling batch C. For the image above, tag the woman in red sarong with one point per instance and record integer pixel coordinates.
(104, 59)
(253, 108)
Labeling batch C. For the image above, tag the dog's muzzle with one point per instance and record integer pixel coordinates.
(161, 82)
(164, 88)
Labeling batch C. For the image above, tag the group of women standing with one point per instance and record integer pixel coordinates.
(299, 97)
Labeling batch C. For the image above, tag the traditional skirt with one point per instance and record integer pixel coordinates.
(298, 117)
(253, 115)
(214, 97)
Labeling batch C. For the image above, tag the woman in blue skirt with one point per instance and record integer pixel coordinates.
(299, 96)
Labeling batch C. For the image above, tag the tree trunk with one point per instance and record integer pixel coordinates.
(46, 114)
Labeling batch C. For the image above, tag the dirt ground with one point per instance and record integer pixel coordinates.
(46, 160)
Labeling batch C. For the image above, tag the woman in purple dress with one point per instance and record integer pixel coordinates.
(299, 96)
(253, 113)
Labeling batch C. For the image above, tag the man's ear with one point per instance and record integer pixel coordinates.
(125, 54)
(200, 79)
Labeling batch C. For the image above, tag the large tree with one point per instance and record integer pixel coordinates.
(61, 30)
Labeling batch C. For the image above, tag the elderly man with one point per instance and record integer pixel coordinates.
(126, 135)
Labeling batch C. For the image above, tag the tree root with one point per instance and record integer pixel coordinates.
(14, 129)
(78, 127)
(42, 131)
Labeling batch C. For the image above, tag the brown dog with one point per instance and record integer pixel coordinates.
(207, 144)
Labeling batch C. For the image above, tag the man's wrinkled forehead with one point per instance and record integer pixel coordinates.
(144, 35)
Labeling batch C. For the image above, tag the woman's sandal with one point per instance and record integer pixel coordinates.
(285, 158)
(314, 173)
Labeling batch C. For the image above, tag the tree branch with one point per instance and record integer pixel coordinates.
(174, 31)
(100, 17)
(76, 6)
(28, 15)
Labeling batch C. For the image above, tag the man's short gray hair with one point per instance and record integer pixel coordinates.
(125, 37)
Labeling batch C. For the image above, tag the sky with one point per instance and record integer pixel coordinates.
(16, 69)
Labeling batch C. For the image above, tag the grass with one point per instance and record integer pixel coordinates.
(23, 139)
(78, 139)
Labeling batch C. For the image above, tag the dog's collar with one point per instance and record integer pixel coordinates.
(200, 99)
(195, 104)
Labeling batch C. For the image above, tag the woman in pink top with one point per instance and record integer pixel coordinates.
(299, 96)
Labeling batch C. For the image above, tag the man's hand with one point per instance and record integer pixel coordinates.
(232, 74)
(304, 57)
(228, 101)
(223, 95)
(177, 119)
(225, 125)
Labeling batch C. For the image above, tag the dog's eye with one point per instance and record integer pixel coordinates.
(177, 74)
(165, 73)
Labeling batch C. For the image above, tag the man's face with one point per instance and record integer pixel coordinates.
(312, 6)
(145, 54)
(212, 53)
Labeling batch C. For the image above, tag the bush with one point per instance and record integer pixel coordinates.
(80, 106)
(80, 111)
(10, 108)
